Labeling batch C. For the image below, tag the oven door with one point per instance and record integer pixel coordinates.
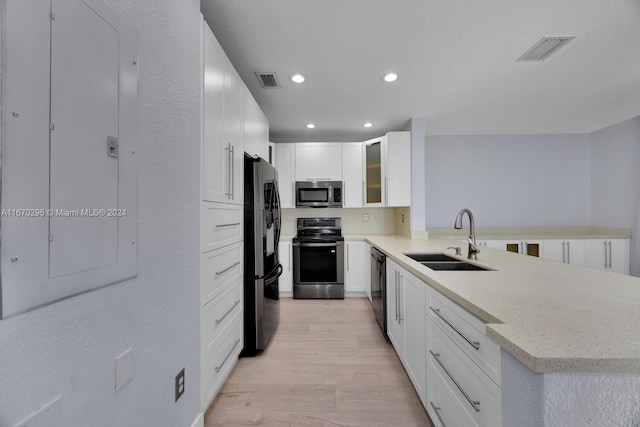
(318, 268)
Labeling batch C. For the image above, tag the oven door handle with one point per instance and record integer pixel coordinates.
(316, 245)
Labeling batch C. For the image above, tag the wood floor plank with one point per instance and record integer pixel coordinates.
(328, 364)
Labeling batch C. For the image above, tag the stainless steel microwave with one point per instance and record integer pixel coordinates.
(319, 194)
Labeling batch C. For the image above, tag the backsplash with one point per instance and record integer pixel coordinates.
(381, 220)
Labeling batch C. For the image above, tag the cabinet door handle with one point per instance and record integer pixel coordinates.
(610, 257)
(226, 188)
(401, 286)
(436, 409)
(364, 193)
(293, 194)
(474, 403)
(231, 224)
(605, 253)
(395, 284)
(218, 273)
(229, 354)
(228, 311)
(563, 253)
(232, 182)
(474, 344)
(568, 252)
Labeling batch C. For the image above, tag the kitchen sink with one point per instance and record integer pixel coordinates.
(429, 257)
(453, 266)
(440, 261)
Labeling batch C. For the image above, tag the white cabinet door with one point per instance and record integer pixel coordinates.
(395, 331)
(555, 250)
(567, 251)
(608, 255)
(495, 244)
(352, 183)
(373, 159)
(355, 267)
(319, 161)
(285, 157)
(233, 132)
(414, 322)
(398, 168)
(215, 155)
(285, 282)
(256, 128)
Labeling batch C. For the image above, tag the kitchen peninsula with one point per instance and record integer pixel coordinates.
(569, 348)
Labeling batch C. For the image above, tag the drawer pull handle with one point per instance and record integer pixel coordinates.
(474, 403)
(225, 359)
(436, 409)
(227, 269)
(227, 225)
(474, 344)
(227, 313)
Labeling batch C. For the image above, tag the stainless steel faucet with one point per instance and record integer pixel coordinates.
(473, 248)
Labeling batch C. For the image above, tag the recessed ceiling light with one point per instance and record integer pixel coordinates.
(310, 126)
(390, 77)
(298, 78)
(367, 125)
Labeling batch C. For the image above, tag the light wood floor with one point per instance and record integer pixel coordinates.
(327, 365)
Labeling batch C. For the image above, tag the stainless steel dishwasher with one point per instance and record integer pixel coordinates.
(379, 288)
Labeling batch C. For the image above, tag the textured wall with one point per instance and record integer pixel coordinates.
(69, 348)
(615, 181)
(508, 180)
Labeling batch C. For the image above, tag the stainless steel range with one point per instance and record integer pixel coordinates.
(318, 259)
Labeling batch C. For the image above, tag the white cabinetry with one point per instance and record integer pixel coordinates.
(567, 251)
(225, 104)
(285, 282)
(352, 181)
(223, 148)
(608, 255)
(398, 168)
(406, 325)
(496, 244)
(355, 267)
(387, 170)
(318, 161)
(256, 128)
(463, 367)
(285, 165)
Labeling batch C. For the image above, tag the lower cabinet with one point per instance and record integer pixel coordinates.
(566, 251)
(609, 255)
(463, 367)
(285, 282)
(355, 267)
(406, 325)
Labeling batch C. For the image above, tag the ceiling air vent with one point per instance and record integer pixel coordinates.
(268, 80)
(545, 48)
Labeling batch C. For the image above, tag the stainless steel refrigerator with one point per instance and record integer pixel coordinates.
(262, 267)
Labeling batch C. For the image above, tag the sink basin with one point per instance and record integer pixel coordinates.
(440, 261)
(429, 257)
(453, 266)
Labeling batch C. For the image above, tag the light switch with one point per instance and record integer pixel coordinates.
(125, 368)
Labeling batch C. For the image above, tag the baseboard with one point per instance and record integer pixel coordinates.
(355, 295)
(199, 421)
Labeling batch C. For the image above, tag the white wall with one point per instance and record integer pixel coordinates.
(615, 182)
(69, 348)
(508, 180)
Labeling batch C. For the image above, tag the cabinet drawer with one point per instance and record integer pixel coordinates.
(443, 406)
(220, 357)
(467, 331)
(219, 312)
(480, 396)
(220, 267)
(222, 225)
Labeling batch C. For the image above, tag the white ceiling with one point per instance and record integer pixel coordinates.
(456, 60)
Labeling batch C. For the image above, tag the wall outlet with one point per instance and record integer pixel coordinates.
(179, 384)
(125, 368)
(365, 217)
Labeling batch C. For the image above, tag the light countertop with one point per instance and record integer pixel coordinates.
(551, 316)
(540, 233)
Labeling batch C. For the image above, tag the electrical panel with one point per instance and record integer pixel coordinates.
(69, 127)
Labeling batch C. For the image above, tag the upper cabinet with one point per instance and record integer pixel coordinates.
(223, 129)
(318, 161)
(387, 170)
(352, 180)
(285, 165)
(256, 129)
